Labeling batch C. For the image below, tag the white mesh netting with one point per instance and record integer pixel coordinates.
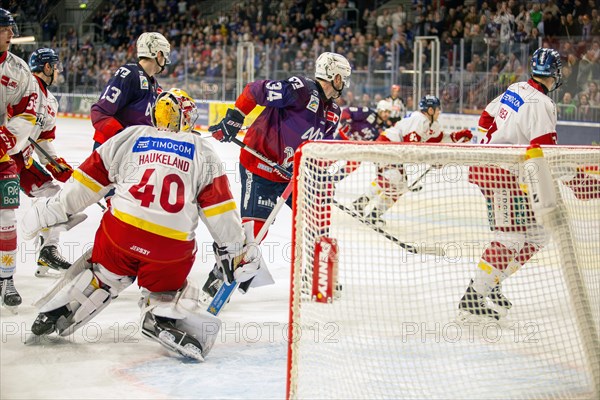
(391, 328)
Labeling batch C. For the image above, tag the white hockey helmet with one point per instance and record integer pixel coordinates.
(150, 43)
(329, 65)
(384, 105)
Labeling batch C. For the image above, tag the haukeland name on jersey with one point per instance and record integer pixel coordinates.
(182, 149)
(512, 99)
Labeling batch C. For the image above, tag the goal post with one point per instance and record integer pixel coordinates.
(374, 307)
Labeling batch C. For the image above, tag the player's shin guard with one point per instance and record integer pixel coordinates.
(9, 296)
(493, 268)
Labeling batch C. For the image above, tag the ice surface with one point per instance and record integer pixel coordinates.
(109, 358)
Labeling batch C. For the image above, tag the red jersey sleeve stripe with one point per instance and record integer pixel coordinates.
(94, 167)
(215, 193)
(48, 135)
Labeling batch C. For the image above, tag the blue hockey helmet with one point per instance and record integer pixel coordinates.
(6, 19)
(40, 57)
(546, 63)
(429, 101)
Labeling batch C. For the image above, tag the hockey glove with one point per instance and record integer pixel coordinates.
(229, 126)
(225, 261)
(61, 174)
(240, 267)
(344, 130)
(461, 136)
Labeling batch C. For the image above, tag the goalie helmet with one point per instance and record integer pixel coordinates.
(546, 63)
(174, 110)
(40, 57)
(329, 65)
(150, 43)
(429, 101)
(6, 19)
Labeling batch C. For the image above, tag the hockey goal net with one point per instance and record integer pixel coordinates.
(374, 307)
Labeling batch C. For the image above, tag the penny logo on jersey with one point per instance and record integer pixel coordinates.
(172, 151)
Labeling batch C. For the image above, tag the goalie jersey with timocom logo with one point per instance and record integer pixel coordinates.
(164, 182)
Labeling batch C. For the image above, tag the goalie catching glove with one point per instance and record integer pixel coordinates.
(61, 174)
(238, 264)
(228, 128)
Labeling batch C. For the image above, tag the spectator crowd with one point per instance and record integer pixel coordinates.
(493, 40)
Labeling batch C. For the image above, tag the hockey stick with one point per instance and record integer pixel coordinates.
(408, 247)
(226, 290)
(413, 187)
(56, 164)
(258, 155)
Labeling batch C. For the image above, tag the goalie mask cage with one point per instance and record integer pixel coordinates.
(373, 317)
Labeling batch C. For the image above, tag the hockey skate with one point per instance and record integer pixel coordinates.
(51, 321)
(9, 297)
(475, 305)
(164, 331)
(360, 204)
(498, 298)
(50, 259)
(212, 285)
(374, 218)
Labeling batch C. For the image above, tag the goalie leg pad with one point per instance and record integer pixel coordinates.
(85, 295)
(80, 265)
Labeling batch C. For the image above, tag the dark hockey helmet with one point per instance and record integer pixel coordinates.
(546, 63)
(6, 19)
(40, 57)
(429, 101)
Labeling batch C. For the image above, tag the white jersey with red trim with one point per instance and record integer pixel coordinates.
(45, 106)
(417, 127)
(164, 182)
(17, 96)
(523, 114)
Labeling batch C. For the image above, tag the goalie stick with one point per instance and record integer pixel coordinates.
(226, 290)
(54, 162)
(408, 247)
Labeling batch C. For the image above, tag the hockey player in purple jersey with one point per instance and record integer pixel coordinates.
(363, 123)
(130, 94)
(297, 109)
